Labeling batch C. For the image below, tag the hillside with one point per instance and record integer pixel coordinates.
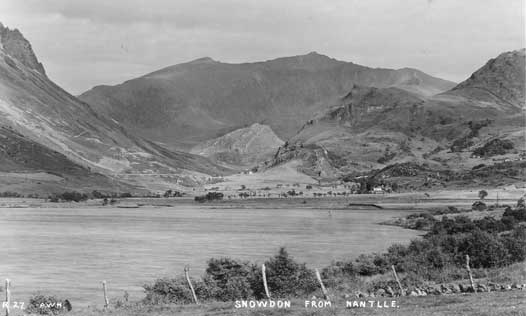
(39, 114)
(244, 146)
(188, 103)
(371, 128)
(501, 80)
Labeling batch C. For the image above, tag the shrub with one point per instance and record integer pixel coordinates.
(285, 277)
(449, 226)
(494, 147)
(10, 194)
(485, 250)
(47, 305)
(508, 222)
(98, 195)
(515, 243)
(369, 264)
(479, 206)
(210, 196)
(339, 269)
(229, 279)
(176, 291)
(68, 197)
(518, 214)
(396, 254)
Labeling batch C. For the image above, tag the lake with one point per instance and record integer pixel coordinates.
(69, 252)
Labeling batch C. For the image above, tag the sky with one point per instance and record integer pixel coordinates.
(87, 43)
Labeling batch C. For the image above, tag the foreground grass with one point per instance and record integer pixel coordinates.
(480, 304)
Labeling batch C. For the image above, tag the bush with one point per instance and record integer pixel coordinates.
(10, 194)
(370, 264)
(449, 226)
(515, 243)
(229, 279)
(338, 270)
(68, 197)
(98, 195)
(485, 250)
(518, 214)
(479, 206)
(175, 291)
(47, 305)
(285, 277)
(494, 147)
(210, 196)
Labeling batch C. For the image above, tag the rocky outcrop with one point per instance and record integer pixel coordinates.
(316, 160)
(16, 46)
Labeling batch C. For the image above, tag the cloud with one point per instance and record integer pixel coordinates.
(85, 43)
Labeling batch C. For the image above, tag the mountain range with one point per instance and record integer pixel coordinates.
(183, 124)
(185, 104)
(373, 127)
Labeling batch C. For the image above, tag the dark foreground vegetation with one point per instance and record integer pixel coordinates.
(210, 196)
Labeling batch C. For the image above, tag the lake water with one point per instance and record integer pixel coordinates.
(70, 251)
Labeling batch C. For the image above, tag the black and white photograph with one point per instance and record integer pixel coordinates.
(262, 157)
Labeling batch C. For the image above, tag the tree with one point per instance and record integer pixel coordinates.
(483, 194)
(520, 204)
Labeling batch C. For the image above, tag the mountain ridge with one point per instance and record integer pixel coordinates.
(371, 128)
(204, 99)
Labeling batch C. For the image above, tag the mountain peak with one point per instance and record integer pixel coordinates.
(310, 61)
(17, 46)
(203, 60)
(502, 77)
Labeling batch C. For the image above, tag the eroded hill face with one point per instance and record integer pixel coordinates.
(33, 106)
(242, 147)
(189, 103)
(27, 167)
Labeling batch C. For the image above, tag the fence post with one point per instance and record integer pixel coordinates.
(323, 289)
(106, 302)
(263, 273)
(470, 275)
(7, 295)
(186, 270)
(397, 280)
